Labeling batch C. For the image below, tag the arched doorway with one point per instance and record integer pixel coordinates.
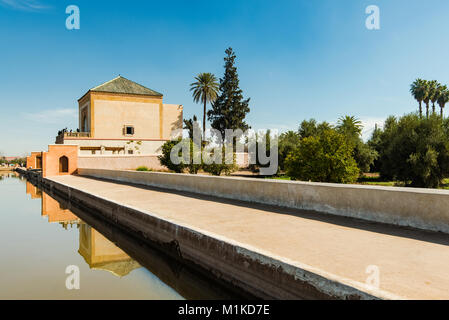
(63, 164)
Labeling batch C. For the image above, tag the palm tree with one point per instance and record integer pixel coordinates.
(350, 124)
(190, 125)
(433, 93)
(426, 95)
(418, 91)
(443, 98)
(351, 127)
(205, 90)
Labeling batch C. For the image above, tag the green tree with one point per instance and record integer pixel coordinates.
(217, 169)
(351, 127)
(194, 167)
(325, 157)
(418, 91)
(415, 151)
(375, 144)
(309, 128)
(165, 157)
(426, 100)
(434, 88)
(190, 124)
(443, 98)
(364, 155)
(229, 109)
(288, 142)
(205, 89)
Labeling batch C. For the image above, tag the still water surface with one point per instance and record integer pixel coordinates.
(40, 237)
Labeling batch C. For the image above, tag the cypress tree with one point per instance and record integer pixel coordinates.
(230, 109)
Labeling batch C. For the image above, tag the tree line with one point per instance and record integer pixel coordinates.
(412, 150)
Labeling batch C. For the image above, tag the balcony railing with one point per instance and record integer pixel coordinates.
(67, 134)
(77, 134)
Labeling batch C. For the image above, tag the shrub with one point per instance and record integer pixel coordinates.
(194, 168)
(324, 157)
(217, 169)
(415, 150)
(165, 157)
(143, 168)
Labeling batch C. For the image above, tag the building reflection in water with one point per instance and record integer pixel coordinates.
(33, 191)
(98, 252)
(102, 254)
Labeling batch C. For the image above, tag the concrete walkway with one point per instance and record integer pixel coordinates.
(412, 264)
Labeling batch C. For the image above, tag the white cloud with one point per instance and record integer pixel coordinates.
(24, 5)
(62, 116)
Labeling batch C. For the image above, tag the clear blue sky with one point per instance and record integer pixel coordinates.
(296, 59)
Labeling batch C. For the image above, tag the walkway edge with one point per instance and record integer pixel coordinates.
(424, 209)
(252, 269)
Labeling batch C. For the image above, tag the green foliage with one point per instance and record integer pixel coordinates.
(205, 90)
(190, 125)
(364, 155)
(256, 165)
(17, 161)
(351, 127)
(143, 168)
(217, 169)
(325, 157)
(229, 109)
(429, 92)
(418, 89)
(310, 128)
(415, 150)
(214, 169)
(165, 157)
(194, 168)
(288, 142)
(375, 144)
(443, 98)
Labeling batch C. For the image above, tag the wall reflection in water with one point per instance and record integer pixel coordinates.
(98, 252)
(101, 254)
(105, 247)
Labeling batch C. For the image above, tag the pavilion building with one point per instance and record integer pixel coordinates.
(123, 117)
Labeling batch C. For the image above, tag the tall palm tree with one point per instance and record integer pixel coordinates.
(443, 98)
(426, 93)
(205, 90)
(433, 93)
(417, 90)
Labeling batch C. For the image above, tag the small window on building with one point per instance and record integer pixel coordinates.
(130, 151)
(128, 130)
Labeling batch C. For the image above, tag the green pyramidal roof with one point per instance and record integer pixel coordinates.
(123, 85)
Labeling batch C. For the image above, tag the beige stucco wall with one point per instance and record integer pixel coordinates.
(112, 116)
(119, 162)
(144, 148)
(108, 114)
(172, 120)
(419, 208)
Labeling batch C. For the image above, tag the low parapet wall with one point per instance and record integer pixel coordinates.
(129, 162)
(426, 209)
(119, 162)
